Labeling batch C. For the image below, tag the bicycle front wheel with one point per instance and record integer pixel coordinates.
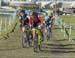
(24, 40)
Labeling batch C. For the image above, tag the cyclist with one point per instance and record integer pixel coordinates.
(49, 23)
(35, 21)
(24, 25)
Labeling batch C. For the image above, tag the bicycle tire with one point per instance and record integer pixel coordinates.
(24, 41)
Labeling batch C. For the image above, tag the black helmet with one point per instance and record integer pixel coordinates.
(22, 11)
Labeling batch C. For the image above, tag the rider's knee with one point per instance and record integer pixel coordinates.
(33, 32)
(23, 29)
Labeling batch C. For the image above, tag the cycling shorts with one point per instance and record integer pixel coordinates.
(37, 30)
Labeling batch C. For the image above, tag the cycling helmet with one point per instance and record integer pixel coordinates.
(22, 11)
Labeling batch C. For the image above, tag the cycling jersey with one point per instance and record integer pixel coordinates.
(24, 20)
(35, 21)
(48, 21)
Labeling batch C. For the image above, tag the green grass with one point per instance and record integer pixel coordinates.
(68, 19)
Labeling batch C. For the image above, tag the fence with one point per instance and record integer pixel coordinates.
(7, 20)
(63, 26)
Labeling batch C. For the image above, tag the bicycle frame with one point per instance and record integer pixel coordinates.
(38, 32)
(37, 40)
(26, 37)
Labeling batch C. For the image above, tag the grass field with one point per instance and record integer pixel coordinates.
(69, 19)
(57, 47)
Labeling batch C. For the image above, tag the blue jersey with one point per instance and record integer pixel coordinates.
(48, 21)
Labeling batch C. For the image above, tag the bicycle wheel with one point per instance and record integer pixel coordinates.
(48, 33)
(24, 40)
(29, 39)
(39, 42)
(36, 43)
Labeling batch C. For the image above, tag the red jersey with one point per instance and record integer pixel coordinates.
(36, 20)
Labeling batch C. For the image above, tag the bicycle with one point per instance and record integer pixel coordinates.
(27, 37)
(37, 39)
(48, 33)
